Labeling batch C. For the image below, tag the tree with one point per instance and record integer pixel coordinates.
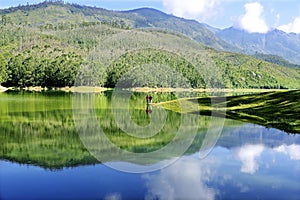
(3, 69)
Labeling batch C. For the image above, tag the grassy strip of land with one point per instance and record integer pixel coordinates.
(83, 89)
(276, 109)
(225, 90)
(78, 89)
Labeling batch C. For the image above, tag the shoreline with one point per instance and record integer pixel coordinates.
(88, 89)
(3, 89)
(225, 90)
(81, 89)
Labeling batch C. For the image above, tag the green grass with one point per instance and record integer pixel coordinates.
(277, 109)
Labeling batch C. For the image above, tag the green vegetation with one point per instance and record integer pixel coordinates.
(239, 71)
(3, 69)
(150, 58)
(275, 59)
(151, 18)
(90, 46)
(43, 66)
(272, 109)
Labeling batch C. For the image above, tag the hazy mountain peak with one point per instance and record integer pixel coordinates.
(275, 42)
(144, 10)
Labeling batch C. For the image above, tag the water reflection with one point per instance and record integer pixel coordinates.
(247, 162)
(261, 165)
(293, 151)
(114, 196)
(185, 179)
(248, 155)
(149, 109)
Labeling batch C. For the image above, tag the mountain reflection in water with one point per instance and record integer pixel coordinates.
(42, 157)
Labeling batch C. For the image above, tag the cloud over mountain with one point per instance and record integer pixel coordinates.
(253, 21)
(192, 8)
(293, 27)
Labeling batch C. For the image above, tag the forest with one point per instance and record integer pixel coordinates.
(84, 46)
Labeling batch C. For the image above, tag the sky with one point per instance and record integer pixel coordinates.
(258, 16)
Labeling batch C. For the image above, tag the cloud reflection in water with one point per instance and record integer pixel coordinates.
(248, 155)
(292, 150)
(185, 179)
(263, 165)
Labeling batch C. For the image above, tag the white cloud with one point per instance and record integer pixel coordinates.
(292, 150)
(195, 9)
(252, 21)
(247, 155)
(185, 179)
(293, 27)
(278, 17)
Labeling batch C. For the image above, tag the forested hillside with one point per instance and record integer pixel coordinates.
(56, 45)
(276, 60)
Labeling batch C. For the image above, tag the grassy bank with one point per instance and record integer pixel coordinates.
(140, 89)
(80, 89)
(276, 109)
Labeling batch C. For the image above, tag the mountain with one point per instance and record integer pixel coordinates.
(231, 39)
(53, 44)
(275, 42)
(138, 18)
(203, 33)
(276, 60)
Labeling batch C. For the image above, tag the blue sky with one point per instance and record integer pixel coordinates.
(252, 16)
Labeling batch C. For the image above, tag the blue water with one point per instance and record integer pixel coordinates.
(247, 162)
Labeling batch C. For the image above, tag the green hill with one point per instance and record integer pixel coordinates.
(276, 60)
(151, 18)
(35, 15)
(55, 45)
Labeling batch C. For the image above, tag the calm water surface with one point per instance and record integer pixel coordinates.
(42, 156)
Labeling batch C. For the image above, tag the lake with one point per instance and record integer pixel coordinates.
(57, 145)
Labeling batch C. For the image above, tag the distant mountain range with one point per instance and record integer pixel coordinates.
(151, 18)
(275, 42)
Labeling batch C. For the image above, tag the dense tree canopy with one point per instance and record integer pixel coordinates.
(157, 63)
(3, 68)
(31, 68)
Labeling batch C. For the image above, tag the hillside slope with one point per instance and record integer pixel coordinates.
(56, 45)
(151, 18)
(274, 42)
(138, 18)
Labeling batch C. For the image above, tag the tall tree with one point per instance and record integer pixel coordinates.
(3, 69)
